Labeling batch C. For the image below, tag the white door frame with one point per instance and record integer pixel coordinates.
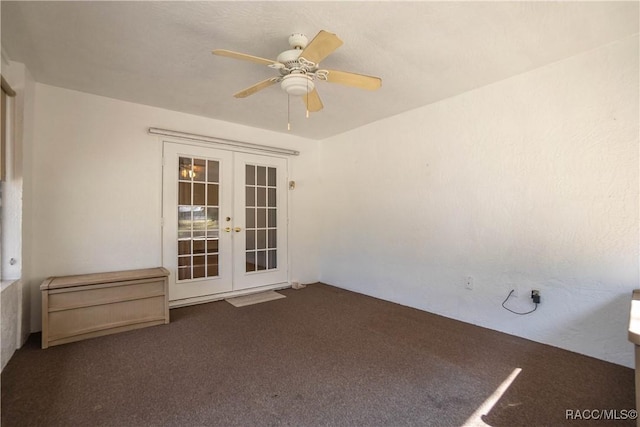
(254, 285)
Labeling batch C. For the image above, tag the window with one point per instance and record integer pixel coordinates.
(261, 224)
(198, 211)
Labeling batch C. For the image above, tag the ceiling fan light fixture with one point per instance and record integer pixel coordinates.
(297, 84)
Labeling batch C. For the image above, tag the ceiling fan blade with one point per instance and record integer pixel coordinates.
(256, 87)
(312, 99)
(243, 56)
(322, 45)
(355, 80)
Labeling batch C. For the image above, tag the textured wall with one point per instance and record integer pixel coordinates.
(529, 183)
(9, 311)
(97, 186)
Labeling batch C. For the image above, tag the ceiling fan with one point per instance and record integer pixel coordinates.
(299, 69)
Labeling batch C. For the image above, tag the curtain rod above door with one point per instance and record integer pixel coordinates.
(222, 141)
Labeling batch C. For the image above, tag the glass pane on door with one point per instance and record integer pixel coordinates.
(198, 218)
(260, 220)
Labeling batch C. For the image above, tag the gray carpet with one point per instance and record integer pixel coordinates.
(322, 356)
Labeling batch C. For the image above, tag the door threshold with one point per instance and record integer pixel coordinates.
(217, 297)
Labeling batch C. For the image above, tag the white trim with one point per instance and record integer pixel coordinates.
(193, 143)
(225, 295)
(222, 141)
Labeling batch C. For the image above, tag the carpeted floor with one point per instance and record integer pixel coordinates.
(321, 356)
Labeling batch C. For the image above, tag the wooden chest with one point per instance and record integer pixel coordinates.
(91, 305)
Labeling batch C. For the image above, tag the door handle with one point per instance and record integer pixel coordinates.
(237, 229)
(228, 229)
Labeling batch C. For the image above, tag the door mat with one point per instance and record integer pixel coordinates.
(254, 298)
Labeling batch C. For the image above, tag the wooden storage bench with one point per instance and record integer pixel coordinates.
(90, 305)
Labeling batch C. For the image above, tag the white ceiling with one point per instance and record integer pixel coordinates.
(159, 53)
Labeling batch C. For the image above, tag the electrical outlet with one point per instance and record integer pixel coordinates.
(535, 296)
(469, 284)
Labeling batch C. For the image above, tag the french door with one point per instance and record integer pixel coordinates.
(224, 220)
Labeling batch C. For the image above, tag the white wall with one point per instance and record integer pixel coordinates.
(530, 183)
(97, 186)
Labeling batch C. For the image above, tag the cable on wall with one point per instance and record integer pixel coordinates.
(516, 312)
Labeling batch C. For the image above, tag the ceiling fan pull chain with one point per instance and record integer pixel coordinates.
(288, 112)
(307, 95)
